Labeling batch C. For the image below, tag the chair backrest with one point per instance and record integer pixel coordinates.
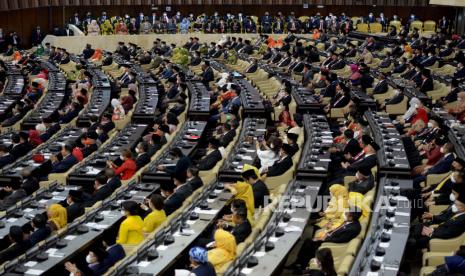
(376, 27)
(417, 24)
(396, 24)
(429, 26)
(362, 27)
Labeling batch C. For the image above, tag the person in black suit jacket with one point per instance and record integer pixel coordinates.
(89, 141)
(283, 164)
(51, 129)
(421, 234)
(382, 86)
(29, 183)
(183, 163)
(74, 205)
(427, 83)
(397, 98)
(442, 166)
(351, 148)
(260, 190)
(20, 145)
(88, 52)
(364, 181)
(174, 198)
(349, 230)
(19, 244)
(252, 67)
(115, 252)
(101, 190)
(113, 180)
(212, 156)
(228, 134)
(37, 36)
(242, 228)
(307, 75)
(5, 157)
(66, 163)
(193, 178)
(41, 230)
(14, 194)
(143, 158)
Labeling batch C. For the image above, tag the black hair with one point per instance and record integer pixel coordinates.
(39, 220)
(157, 201)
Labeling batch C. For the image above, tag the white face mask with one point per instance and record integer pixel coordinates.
(123, 212)
(455, 209)
(452, 179)
(430, 124)
(137, 150)
(121, 157)
(452, 197)
(441, 150)
(89, 259)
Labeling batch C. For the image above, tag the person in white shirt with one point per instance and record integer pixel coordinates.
(268, 151)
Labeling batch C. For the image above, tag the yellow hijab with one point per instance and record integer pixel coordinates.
(225, 250)
(357, 199)
(58, 215)
(339, 199)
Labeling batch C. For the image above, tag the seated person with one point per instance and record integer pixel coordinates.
(364, 181)
(113, 180)
(348, 230)
(157, 215)
(130, 230)
(199, 263)
(5, 157)
(193, 178)
(102, 190)
(260, 190)
(41, 230)
(268, 151)
(283, 164)
(19, 244)
(241, 228)
(332, 217)
(95, 260)
(143, 158)
(29, 183)
(115, 252)
(211, 157)
(89, 140)
(14, 194)
(67, 161)
(439, 194)
(227, 135)
(442, 166)
(74, 205)
(57, 217)
(182, 163)
(174, 197)
(224, 250)
(323, 264)
(127, 169)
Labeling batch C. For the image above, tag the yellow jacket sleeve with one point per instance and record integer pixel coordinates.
(123, 233)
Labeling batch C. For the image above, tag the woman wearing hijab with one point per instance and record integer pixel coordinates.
(333, 216)
(130, 230)
(118, 110)
(224, 251)
(57, 217)
(93, 28)
(107, 28)
(198, 257)
(121, 28)
(34, 138)
(243, 190)
(128, 101)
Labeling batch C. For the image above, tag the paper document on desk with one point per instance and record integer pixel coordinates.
(293, 228)
(92, 170)
(34, 272)
(182, 272)
(206, 212)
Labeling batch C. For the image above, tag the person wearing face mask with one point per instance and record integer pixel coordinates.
(74, 205)
(127, 169)
(102, 135)
(439, 194)
(67, 161)
(457, 188)
(268, 151)
(157, 215)
(143, 157)
(281, 165)
(420, 234)
(130, 231)
(260, 190)
(101, 190)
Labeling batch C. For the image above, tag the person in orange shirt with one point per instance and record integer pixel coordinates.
(97, 56)
(127, 169)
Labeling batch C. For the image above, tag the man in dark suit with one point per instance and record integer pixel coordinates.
(88, 52)
(41, 230)
(382, 86)
(364, 181)
(67, 161)
(212, 156)
(89, 141)
(175, 199)
(260, 190)
(442, 166)
(228, 134)
(5, 157)
(351, 148)
(283, 164)
(74, 205)
(29, 183)
(20, 145)
(307, 75)
(113, 180)
(101, 190)
(193, 178)
(252, 67)
(108, 60)
(15, 193)
(421, 234)
(143, 157)
(349, 230)
(181, 165)
(242, 228)
(51, 129)
(37, 36)
(427, 82)
(115, 252)
(207, 75)
(19, 244)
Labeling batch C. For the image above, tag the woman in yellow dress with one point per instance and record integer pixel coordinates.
(224, 251)
(107, 28)
(333, 216)
(130, 230)
(153, 220)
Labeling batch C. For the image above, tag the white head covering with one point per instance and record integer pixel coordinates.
(414, 102)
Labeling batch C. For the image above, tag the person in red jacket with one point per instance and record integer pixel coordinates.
(127, 169)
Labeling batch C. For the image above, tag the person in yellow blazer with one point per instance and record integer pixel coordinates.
(130, 230)
(243, 190)
(333, 215)
(224, 251)
(107, 28)
(153, 220)
(57, 217)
